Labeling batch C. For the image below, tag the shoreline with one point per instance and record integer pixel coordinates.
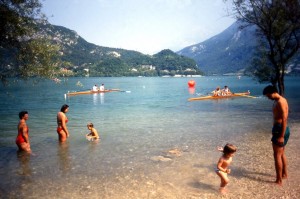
(181, 173)
(191, 175)
(186, 173)
(254, 170)
(252, 176)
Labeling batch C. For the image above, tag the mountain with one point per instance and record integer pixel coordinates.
(229, 52)
(85, 58)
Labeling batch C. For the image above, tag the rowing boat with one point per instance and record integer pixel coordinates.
(91, 92)
(209, 97)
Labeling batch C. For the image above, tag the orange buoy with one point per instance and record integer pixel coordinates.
(191, 83)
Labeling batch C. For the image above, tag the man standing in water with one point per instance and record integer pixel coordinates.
(280, 131)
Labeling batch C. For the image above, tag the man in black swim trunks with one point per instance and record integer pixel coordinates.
(280, 131)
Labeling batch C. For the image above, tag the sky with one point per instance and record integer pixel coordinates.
(147, 26)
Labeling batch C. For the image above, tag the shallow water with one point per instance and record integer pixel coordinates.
(136, 128)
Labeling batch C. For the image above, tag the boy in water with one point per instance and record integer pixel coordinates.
(223, 163)
(93, 135)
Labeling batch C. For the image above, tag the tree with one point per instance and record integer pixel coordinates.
(39, 58)
(278, 27)
(24, 50)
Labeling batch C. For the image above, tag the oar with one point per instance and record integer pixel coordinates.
(114, 89)
(243, 95)
(118, 90)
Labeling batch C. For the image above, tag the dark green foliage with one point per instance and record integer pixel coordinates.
(23, 51)
(105, 61)
(278, 28)
(30, 47)
(260, 67)
(167, 60)
(109, 67)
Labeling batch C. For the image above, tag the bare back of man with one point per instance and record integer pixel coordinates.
(280, 132)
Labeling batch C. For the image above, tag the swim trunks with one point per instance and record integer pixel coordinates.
(276, 130)
(59, 129)
(217, 170)
(20, 139)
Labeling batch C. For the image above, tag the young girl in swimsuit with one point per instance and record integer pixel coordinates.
(22, 139)
(62, 120)
(93, 135)
(223, 163)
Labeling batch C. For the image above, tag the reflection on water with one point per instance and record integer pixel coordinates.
(24, 158)
(23, 178)
(102, 98)
(93, 145)
(64, 158)
(96, 97)
(192, 90)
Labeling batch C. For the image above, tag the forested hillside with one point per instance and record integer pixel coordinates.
(85, 58)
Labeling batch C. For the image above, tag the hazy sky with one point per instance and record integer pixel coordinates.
(147, 26)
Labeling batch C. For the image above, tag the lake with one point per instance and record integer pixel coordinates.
(138, 127)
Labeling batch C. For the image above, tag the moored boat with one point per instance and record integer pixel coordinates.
(211, 97)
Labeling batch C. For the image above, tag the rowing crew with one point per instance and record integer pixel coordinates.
(101, 88)
(222, 92)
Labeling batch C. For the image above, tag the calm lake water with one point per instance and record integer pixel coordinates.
(136, 126)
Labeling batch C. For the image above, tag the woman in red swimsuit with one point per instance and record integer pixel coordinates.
(22, 139)
(62, 120)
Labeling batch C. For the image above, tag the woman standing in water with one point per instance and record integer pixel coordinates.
(22, 139)
(62, 120)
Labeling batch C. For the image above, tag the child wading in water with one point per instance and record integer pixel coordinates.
(223, 163)
(93, 135)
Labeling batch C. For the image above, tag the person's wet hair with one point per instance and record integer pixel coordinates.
(229, 148)
(90, 125)
(64, 108)
(22, 113)
(269, 90)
